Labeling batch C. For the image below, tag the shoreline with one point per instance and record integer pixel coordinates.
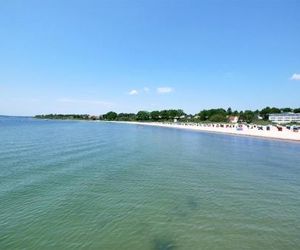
(273, 133)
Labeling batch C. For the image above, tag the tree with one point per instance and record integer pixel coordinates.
(229, 111)
(126, 117)
(265, 113)
(212, 114)
(297, 110)
(209, 115)
(164, 114)
(275, 110)
(172, 113)
(286, 110)
(247, 116)
(235, 113)
(218, 118)
(180, 112)
(267, 110)
(203, 115)
(142, 116)
(155, 115)
(110, 116)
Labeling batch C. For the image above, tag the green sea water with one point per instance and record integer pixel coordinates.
(97, 185)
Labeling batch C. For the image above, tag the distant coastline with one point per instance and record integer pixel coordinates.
(207, 115)
(258, 123)
(261, 131)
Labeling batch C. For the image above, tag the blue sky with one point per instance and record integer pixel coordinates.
(96, 56)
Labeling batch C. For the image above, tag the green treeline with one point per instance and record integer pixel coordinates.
(206, 115)
(163, 115)
(64, 116)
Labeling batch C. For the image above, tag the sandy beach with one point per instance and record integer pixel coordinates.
(243, 130)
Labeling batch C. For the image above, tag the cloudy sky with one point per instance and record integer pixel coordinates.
(95, 56)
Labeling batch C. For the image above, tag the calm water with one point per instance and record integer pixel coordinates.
(88, 185)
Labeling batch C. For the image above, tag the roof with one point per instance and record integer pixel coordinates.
(285, 114)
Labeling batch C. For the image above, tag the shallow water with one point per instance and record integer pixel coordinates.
(89, 185)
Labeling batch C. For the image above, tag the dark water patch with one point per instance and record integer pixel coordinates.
(180, 211)
(163, 244)
(192, 203)
(183, 209)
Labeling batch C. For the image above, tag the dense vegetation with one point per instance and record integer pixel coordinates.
(206, 115)
(64, 116)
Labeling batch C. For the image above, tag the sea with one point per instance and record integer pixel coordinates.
(104, 185)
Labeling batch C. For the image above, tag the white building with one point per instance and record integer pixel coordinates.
(285, 117)
(233, 119)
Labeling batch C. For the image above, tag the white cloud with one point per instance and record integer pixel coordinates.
(295, 77)
(164, 90)
(146, 89)
(133, 92)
